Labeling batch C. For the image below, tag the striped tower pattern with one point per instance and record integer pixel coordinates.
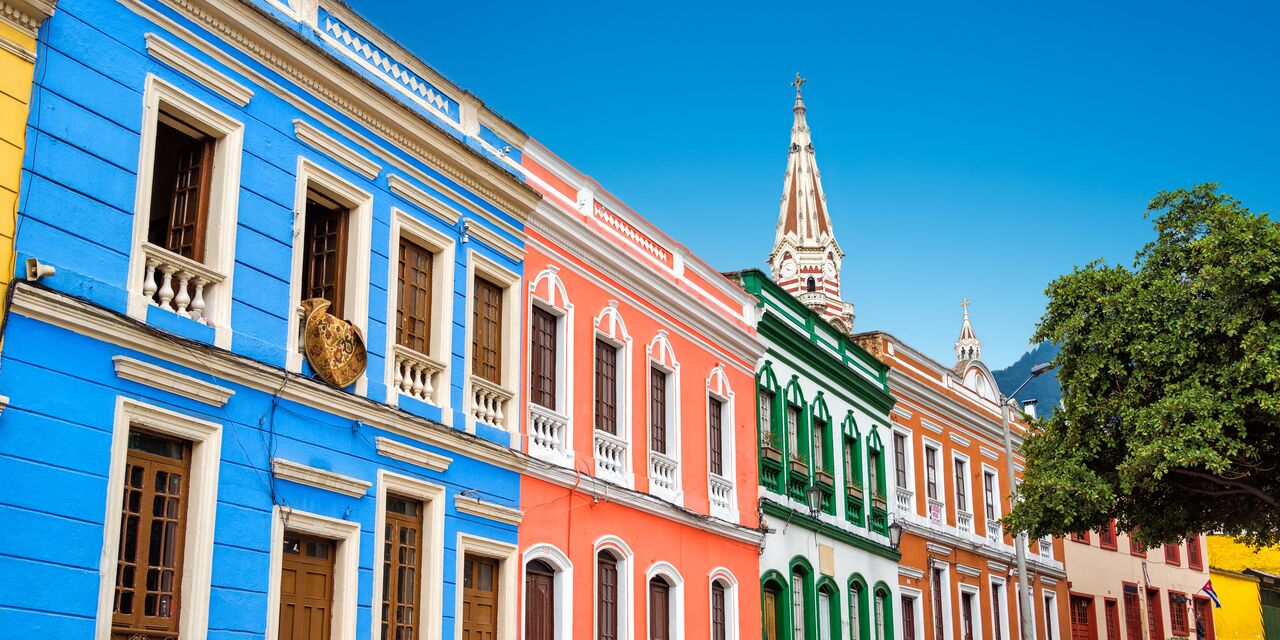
(806, 258)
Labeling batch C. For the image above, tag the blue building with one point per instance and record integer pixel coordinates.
(194, 171)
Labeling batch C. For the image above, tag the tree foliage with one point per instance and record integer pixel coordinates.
(1170, 373)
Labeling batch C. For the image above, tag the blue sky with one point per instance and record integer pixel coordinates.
(967, 150)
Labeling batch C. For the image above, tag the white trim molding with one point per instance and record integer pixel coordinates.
(193, 68)
(345, 567)
(491, 238)
(397, 450)
(176, 383)
(202, 492)
(330, 146)
(319, 478)
(562, 587)
(675, 598)
(485, 509)
(422, 199)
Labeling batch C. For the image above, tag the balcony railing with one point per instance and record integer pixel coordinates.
(721, 496)
(994, 534)
(489, 402)
(906, 501)
(177, 284)
(547, 433)
(611, 456)
(964, 521)
(1046, 547)
(416, 374)
(662, 473)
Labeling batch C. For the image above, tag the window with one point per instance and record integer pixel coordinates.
(659, 609)
(479, 598)
(1132, 613)
(486, 331)
(1194, 559)
(900, 460)
(1172, 554)
(874, 465)
(908, 619)
(540, 602)
(1080, 536)
(966, 615)
(931, 473)
(855, 611)
(657, 410)
(852, 470)
(606, 596)
(401, 568)
(1155, 625)
(962, 482)
(1135, 548)
(152, 532)
(821, 435)
(793, 432)
(824, 615)
(1178, 613)
(1050, 617)
(413, 313)
(1081, 615)
(997, 611)
(798, 622)
(989, 496)
(606, 387)
(306, 587)
(1113, 619)
(181, 177)
(937, 582)
(880, 613)
(542, 357)
(719, 618)
(324, 251)
(1107, 536)
(715, 428)
(766, 419)
(769, 601)
(810, 284)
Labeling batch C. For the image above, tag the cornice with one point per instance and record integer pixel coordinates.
(608, 491)
(171, 381)
(88, 319)
(942, 543)
(966, 570)
(422, 199)
(219, 83)
(26, 15)
(488, 510)
(319, 478)
(495, 241)
(910, 572)
(249, 29)
(777, 510)
(413, 455)
(328, 145)
(915, 392)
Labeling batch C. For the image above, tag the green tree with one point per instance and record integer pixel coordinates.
(1170, 373)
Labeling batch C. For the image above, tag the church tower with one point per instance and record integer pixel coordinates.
(806, 259)
(968, 347)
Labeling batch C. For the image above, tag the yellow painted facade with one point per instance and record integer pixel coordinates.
(1226, 553)
(1240, 617)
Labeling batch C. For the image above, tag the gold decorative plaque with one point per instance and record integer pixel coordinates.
(333, 346)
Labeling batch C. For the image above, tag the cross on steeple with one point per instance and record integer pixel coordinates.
(799, 82)
(965, 303)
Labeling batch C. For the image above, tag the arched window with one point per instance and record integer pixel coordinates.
(719, 611)
(828, 610)
(799, 630)
(859, 621)
(883, 623)
(811, 284)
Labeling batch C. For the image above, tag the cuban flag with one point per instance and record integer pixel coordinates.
(1208, 589)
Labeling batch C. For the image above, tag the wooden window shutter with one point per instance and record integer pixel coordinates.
(715, 429)
(324, 261)
(659, 609)
(718, 621)
(402, 568)
(413, 313)
(486, 331)
(182, 173)
(542, 358)
(606, 387)
(657, 410)
(606, 596)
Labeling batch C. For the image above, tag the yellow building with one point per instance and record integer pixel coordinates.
(19, 22)
(1247, 583)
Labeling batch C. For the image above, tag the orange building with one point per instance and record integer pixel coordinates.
(957, 576)
(640, 507)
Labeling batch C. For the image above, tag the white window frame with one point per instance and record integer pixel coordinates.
(562, 587)
(202, 498)
(1050, 599)
(730, 583)
(917, 611)
(405, 225)
(719, 389)
(508, 558)
(941, 479)
(1000, 610)
(346, 535)
(948, 630)
(431, 569)
(221, 219)
(660, 355)
(626, 571)
(997, 500)
(956, 456)
(478, 266)
(675, 607)
(359, 204)
(977, 608)
(610, 328)
(547, 292)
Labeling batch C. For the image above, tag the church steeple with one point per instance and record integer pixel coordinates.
(806, 258)
(968, 347)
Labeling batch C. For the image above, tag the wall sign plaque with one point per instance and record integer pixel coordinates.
(334, 347)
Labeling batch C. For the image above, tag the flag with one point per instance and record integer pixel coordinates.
(1146, 577)
(1208, 589)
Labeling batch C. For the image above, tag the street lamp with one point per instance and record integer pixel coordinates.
(895, 535)
(1020, 540)
(813, 496)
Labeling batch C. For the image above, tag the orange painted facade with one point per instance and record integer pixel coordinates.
(603, 276)
(958, 572)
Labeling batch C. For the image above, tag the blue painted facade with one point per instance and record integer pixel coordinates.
(80, 178)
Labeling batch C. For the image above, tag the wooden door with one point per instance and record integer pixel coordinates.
(607, 597)
(966, 615)
(1113, 620)
(659, 610)
(769, 602)
(1082, 618)
(1132, 616)
(479, 598)
(540, 601)
(306, 587)
(1204, 617)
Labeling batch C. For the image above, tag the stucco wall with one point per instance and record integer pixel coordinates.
(1240, 617)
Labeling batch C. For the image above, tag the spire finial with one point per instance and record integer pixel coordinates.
(965, 303)
(799, 82)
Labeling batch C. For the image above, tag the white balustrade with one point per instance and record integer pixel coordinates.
(721, 495)
(1046, 547)
(489, 402)
(611, 455)
(964, 521)
(177, 284)
(993, 532)
(416, 375)
(906, 501)
(662, 472)
(547, 432)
